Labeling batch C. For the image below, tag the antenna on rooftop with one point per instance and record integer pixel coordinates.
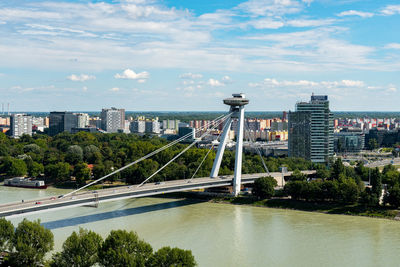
(8, 108)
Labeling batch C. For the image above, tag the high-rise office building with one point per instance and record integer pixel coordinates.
(20, 124)
(311, 130)
(113, 120)
(62, 121)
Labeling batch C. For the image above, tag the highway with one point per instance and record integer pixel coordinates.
(124, 192)
(383, 162)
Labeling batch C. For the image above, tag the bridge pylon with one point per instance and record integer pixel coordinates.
(236, 103)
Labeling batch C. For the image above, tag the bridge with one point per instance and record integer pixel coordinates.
(93, 198)
(80, 198)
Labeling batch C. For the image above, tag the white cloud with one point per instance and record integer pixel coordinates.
(391, 10)
(81, 78)
(187, 82)
(215, 83)
(130, 74)
(84, 88)
(141, 81)
(270, 82)
(393, 46)
(226, 78)
(356, 13)
(271, 7)
(266, 24)
(309, 22)
(115, 89)
(351, 83)
(190, 75)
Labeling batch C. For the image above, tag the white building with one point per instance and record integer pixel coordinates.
(83, 120)
(20, 124)
(112, 120)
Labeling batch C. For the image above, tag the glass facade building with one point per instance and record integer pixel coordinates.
(311, 130)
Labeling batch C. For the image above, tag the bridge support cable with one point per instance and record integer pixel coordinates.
(147, 156)
(257, 148)
(204, 158)
(183, 151)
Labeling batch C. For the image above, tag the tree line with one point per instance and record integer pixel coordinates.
(87, 156)
(28, 244)
(339, 184)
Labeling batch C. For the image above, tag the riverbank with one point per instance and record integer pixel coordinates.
(286, 203)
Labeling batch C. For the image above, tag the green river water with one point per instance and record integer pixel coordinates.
(230, 235)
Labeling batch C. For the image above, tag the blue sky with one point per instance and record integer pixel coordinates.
(188, 55)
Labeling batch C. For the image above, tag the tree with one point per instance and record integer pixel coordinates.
(376, 182)
(59, 172)
(74, 154)
(368, 198)
(99, 171)
(393, 196)
(35, 169)
(322, 173)
(34, 148)
(373, 144)
(295, 189)
(391, 177)
(167, 257)
(348, 191)
(298, 176)
(6, 234)
(337, 169)
(81, 173)
(264, 187)
(31, 242)
(80, 249)
(14, 167)
(92, 153)
(122, 248)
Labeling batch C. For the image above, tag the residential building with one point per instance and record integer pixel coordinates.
(311, 130)
(171, 124)
(20, 124)
(138, 126)
(112, 120)
(82, 120)
(152, 127)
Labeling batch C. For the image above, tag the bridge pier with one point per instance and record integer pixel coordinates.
(236, 103)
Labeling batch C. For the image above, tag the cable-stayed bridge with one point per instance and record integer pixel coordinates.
(93, 198)
(80, 198)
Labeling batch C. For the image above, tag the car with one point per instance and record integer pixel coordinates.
(60, 196)
(158, 183)
(52, 198)
(38, 202)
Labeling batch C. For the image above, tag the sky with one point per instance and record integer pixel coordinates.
(180, 55)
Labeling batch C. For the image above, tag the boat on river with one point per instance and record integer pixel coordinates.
(25, 183)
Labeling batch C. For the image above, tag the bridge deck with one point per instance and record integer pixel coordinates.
(123, 192)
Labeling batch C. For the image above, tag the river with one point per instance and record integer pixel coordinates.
(230, 235)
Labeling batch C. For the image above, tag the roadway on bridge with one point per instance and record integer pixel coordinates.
(124, 192)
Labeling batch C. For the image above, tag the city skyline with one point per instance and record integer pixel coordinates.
(175, 56)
